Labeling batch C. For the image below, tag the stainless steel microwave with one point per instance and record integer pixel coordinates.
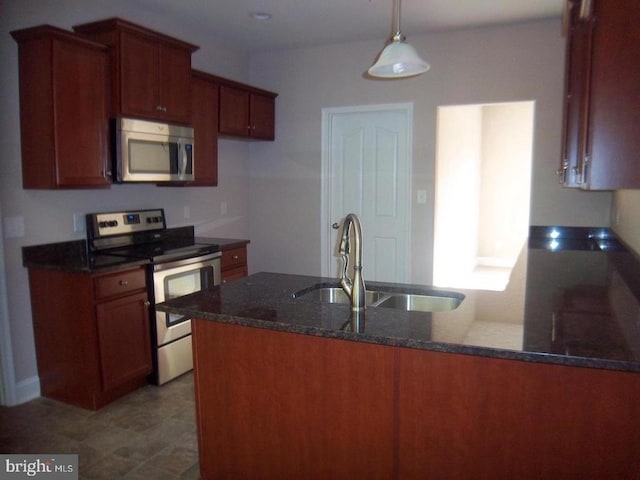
(152, 151)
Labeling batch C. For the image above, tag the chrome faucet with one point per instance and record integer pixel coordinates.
(354, 288)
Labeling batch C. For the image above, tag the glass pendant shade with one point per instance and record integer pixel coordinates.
(398, 59)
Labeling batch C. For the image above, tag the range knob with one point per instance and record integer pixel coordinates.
(113, 223)
(102, 224)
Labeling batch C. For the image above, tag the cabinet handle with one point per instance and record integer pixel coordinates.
(123, 283)
(147, 303)
(562, 172)
(235, 257)
(160, 108)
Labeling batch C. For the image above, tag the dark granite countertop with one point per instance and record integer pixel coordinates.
(572, 298)
(223, 243)
(74, 255)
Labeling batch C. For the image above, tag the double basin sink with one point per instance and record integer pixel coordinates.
(433, 301)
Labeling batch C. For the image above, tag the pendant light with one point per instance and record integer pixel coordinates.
(398, 59)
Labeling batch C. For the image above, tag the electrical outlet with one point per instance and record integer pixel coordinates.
(78, 223)
(421, 196)
(224, 208)
(187, 212)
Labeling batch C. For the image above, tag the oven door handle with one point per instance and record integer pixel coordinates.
(158, 267)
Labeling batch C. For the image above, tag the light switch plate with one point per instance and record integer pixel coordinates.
(13, 227)
(421, 196)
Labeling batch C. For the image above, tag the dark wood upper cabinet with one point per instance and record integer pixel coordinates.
(64, 109)
(204, 119)
(262, 113)
(151, 71)
(602, 95)
(247, 112)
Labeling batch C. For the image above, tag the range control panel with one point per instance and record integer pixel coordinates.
(122, 223)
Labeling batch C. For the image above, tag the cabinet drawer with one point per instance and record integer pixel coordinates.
(119, 283)
(234, 258)
(234, 274)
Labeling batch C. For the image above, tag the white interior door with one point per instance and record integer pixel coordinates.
(366, 171)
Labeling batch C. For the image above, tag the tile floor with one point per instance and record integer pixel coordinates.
(149, 434)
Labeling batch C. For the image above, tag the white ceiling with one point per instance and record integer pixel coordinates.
(298, 23)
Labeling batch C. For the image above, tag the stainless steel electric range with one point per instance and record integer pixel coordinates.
(178, 265)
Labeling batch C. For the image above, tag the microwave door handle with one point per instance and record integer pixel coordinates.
(181, 160)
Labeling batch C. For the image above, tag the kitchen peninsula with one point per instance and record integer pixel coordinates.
(284, 390)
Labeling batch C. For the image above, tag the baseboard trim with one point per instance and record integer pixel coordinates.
(27, 389)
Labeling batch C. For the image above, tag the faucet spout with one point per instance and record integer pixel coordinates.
(353, 287)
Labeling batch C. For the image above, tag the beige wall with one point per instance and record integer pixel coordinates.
(503, 64)
(626, 217)
(507, 131)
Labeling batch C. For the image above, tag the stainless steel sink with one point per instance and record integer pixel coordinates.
(420, 303)
(335, 295)
(416, 302)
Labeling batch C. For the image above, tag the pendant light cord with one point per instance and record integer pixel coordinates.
(397, 36)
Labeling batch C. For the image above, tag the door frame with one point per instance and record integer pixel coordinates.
(8, 394)
(328, 113)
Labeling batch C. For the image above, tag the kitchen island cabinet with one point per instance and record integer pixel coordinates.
(64, 109)
(602, 117)
(91, 333)
(281, 368)
(151, 72)
(282, 405)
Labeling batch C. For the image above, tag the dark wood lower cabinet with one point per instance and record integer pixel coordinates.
(234, 264)
(281, 405)
(91, 333)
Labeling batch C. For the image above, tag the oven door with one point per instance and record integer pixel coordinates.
(174, 279)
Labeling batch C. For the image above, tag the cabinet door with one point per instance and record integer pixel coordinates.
(174, 83)
(262, 110)
(139, 89)
(124, 339)
(614, 112)
(234, 111)
(204, 119)
(64, 109)
(81, 116)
